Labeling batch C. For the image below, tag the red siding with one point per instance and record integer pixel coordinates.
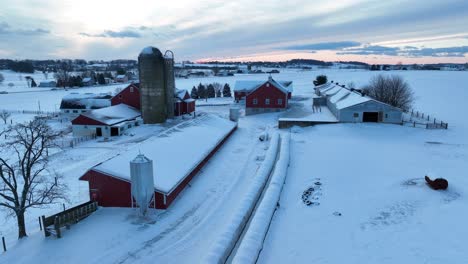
(181, 108)
(264, 92)
(126, 96)
(109, 191)
(84, 120)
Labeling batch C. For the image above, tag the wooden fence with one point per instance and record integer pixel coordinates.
(54, 223)
(73, 142)
(420, 119)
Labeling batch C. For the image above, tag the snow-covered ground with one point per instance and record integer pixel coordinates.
(370, 173)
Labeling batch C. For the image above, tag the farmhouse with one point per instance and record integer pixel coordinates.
(177, 159)
(74, 104)
(122, 78)
(263, 97)
(47, 84)
(351, 105)
(107, 122)
(88, 81)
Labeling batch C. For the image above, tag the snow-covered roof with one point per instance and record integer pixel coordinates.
(147, 50)
(340, 95)
(352, 99)
(179, 93)
(248, 86)
(113, 115)
(85, 101)
(87, 79)
(121, 76)
(175, 153)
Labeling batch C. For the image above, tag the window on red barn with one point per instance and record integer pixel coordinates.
(255, 101)
(267, 101)
(280, 101)
(131, 89)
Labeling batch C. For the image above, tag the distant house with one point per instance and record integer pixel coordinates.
(75, 103)
(107, 122)
(183, 103)
(88, 81)
(129, 96)
(48, 84)
(121, 78)
(242, 88)
(351, 105)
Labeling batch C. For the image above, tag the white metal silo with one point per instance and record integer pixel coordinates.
(234, 113)
(141, 172)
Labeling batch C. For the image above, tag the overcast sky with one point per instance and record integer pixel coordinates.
(374, 31)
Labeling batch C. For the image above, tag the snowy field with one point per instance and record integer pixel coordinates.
(370, 173)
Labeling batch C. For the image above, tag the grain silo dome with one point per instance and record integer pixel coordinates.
(151, 51)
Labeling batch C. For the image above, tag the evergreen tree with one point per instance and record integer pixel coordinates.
(194, 93)
(201, 91)
(227, 90)
(101, 79)
(210, 91)
(321, 79)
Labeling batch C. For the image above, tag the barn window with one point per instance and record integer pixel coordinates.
(267, 101)
(268, 85)
(67, 111)
(356, 115)
(255, 101)
(280, 101)
(386, 115)
(75, 111)
(131, 89)
(120, 96)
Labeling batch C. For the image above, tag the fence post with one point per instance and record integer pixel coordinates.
(414, 124)
(40, 224)
(46, 233)
(434, 120)
(57, 226)
(4, 244)
(427, 117)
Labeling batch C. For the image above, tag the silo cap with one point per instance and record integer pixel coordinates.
(150, 51)
(140, 159)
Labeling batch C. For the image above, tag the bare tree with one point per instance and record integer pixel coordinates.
(25, 181)
(4, 115)
(62, 77)
(392, 90)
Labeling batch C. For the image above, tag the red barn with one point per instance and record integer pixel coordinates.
(264, 97)
(183, 103)
(110, 181)
(129, 96)
(243, 88)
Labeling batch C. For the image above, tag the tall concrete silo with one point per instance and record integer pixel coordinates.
(151, 64)
(169, 82)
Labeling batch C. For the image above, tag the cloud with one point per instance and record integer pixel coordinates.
(371, 50)
(407, 51)
(325, 46)
(6, 29)
(128, 33)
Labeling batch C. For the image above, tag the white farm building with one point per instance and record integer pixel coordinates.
(350, 105)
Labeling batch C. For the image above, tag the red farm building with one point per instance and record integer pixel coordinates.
(263, 97)
(243, 88)
(110, 181)
(129, 96)
(183, 103)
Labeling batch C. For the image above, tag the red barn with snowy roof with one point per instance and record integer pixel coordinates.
(269, 96)
(183, 103)
(129, 96)
(110, 181)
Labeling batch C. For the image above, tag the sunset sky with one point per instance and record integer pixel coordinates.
(418, 31)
